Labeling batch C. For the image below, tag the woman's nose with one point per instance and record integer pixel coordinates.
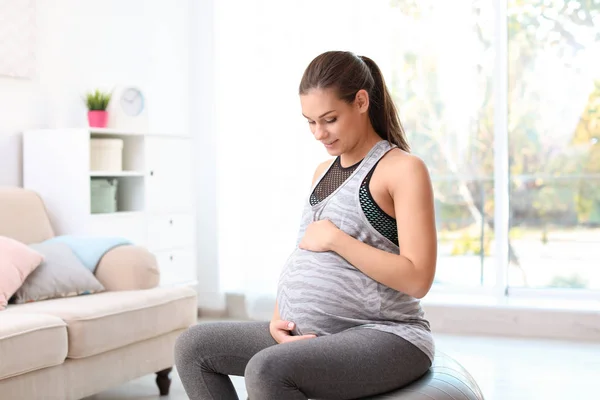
(320, 133)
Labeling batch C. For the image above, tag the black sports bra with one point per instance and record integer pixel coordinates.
(335, 176)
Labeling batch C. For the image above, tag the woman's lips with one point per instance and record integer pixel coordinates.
(331, 144)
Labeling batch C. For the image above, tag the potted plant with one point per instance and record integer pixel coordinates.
(97, 102)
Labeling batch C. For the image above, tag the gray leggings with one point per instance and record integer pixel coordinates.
(346, 365)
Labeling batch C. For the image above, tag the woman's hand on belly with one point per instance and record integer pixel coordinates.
(280, 331)
(319, 236)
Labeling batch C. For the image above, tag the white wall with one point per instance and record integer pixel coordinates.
(81, 45)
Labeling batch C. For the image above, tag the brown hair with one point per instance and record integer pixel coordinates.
(347, 74)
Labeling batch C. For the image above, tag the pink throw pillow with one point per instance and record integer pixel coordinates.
(17, 261)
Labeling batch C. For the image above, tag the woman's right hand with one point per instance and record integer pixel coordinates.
(280, 330)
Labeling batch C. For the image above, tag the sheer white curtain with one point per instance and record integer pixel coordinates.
(266, 154)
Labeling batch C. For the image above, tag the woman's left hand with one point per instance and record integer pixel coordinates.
(319, 236)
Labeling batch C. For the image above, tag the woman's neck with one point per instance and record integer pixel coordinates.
(360, 150)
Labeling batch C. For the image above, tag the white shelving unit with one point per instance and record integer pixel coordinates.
(155, 204)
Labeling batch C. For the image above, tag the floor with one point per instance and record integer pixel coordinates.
(505, 368)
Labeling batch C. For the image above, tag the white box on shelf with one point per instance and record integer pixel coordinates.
(106, 154)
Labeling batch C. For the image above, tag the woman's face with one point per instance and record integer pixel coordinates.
(333, 122)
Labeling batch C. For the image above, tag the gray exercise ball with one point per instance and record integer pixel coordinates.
(445, 380)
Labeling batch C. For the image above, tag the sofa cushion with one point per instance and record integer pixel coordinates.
(61, 274)
(30, 341)
(23, 216)
(105, 321)
(17, 262)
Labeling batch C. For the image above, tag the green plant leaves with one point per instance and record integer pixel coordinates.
(97, 100)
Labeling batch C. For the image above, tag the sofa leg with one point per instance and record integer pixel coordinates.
(163, 381)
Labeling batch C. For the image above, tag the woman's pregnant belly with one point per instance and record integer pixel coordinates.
(323, 294)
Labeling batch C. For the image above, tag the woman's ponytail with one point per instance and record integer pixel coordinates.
(382, 111)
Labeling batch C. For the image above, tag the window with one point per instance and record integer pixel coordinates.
(554, 143)
(445, 83)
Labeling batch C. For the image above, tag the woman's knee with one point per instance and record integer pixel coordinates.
(185, 346)
(267, 368)
(194, 344)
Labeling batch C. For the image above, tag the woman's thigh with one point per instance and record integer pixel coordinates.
(347, 365)
(224, 347)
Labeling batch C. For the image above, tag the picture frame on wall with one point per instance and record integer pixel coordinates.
(17, 38)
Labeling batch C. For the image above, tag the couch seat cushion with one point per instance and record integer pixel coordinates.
(30, 341)
(105, 321)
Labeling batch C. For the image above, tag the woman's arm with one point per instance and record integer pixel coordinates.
(276, 315)
(413, 270)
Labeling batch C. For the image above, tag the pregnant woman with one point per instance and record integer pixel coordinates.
(347, 321)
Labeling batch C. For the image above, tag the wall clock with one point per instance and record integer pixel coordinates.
(128, 109)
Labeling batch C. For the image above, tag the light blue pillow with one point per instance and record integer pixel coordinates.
(89, 249)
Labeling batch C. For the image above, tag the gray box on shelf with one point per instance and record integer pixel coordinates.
(103, 195)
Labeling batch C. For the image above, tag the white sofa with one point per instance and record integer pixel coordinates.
(73, 347)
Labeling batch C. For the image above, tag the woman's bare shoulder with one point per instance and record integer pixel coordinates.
(401, 161)
(400, 167)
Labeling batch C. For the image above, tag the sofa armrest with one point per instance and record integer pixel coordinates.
(128, 268)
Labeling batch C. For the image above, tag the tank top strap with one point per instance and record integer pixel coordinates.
(377, 152)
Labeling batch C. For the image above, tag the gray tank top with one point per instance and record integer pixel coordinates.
(324, 294)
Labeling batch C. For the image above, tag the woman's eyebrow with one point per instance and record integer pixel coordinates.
(320, 116)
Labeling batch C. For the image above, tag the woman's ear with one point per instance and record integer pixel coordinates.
(361, 100)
